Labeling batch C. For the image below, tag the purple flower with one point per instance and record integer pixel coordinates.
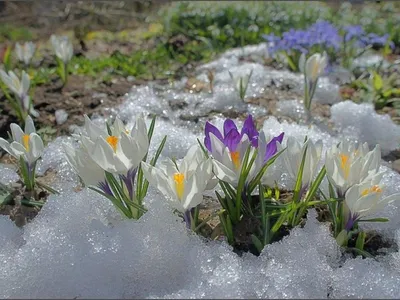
(129, 180)
(351, 221)
(232, 137)
(272, 148)
(105, 187)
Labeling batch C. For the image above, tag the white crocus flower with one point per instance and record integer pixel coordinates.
(312, 68)
(87, 169)
(293, 156)
(366, 198)
(62, 47)
(227, 165)
(119, 151)
(182, 183)
(20, 88)
(26, 143)
(25, 52)
(347, 165)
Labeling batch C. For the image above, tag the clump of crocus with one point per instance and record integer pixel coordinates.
(22, 103)
(63, 50)
(27, 147)
(301, 163)
(25, 52)
(312, 68)
(108, 161)
(240, 83)
(347, 165)
(361, 200)
(240, 159)
(183, 183)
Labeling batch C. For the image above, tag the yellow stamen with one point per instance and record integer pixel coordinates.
(374, 189)
(179, 179)
(235, 156)
(345, 164)
(113, 142)
(25, 140)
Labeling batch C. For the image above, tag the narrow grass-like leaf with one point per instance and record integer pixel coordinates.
(298, 186)
(257, 243)
(253, 184)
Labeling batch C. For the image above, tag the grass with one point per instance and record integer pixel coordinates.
(186, 33)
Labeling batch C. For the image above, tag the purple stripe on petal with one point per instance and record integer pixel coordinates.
(232, 140)
(350, 222)
(228, 126)
(272, 147)
(129, 181)
(104, 186)
(211, 128)
(250, 129)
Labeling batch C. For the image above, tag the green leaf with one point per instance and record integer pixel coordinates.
(377, 81)
(342, 238)
(153, 163)
(256, 180)
(375, 220)
(5, 195)
(361, 252)
(297, 188)
(360, 240)
(257, 243)
(315, 185)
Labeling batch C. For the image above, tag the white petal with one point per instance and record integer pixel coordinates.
(16, 133)
(224, 173)
(29, 125)
(6, 146)
(36, 146)
(159, 179)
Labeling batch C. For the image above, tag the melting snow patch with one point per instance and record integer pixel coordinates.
(361, 122)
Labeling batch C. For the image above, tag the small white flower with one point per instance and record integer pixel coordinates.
(87, 169)
(347, 165)
(25, 52)
(365, 199)
(120, 151)
(27, 144)
(20, 88)
(293, 156)
(62, 47)
(185, 183)
(314, 67)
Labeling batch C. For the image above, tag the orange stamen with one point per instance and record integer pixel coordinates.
(113, 142)
(179, 179)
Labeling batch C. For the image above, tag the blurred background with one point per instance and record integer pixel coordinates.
(118, 44)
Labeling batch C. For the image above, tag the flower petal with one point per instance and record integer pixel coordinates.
(209, 128)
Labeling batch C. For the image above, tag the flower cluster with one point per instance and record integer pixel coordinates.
(19, 86)
(111, 160)
(108, 159)
(362, 39)
(324, 36)
(27, 147)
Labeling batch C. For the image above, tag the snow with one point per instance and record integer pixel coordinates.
(80, 247)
